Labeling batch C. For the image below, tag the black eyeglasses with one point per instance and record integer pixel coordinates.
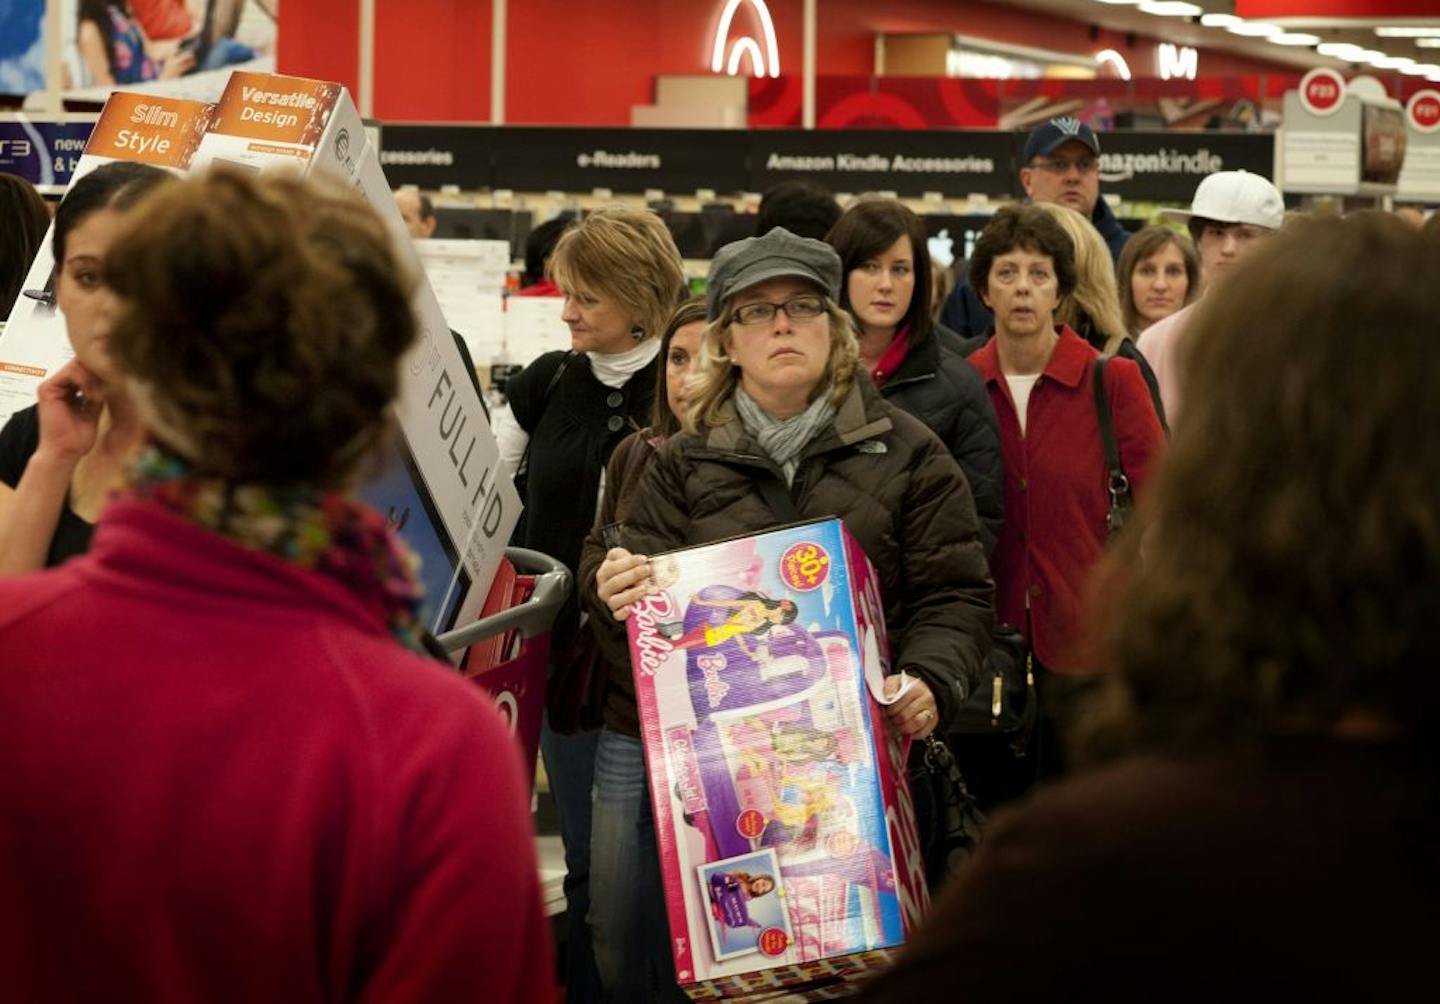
(795, 309)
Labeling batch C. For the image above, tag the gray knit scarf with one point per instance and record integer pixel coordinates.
(783, 439)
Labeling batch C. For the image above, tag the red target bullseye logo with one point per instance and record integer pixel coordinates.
(1424, 111)
(750, 823)
(1322, 90)
(773, 941)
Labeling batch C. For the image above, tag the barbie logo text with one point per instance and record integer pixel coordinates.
(652, 647)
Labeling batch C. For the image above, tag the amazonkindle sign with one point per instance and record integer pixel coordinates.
(1166, 166)
(907, 162)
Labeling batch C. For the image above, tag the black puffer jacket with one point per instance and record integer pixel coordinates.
(898, 491)
(937, 386)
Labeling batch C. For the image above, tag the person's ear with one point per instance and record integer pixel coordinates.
(983, 298)
(1027, 175)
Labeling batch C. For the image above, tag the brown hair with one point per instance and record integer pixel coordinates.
(1027, 228)
(1291, 560)
(664, 422)
(26, 220)
(1143, 244)
(627, 254)
(866, 231)
(263, 320)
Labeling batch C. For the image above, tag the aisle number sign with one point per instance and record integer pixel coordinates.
(1423, 111)
(1322, 91)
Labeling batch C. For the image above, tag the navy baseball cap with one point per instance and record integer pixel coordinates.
(1055, 134)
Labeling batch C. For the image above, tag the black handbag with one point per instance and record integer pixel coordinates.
(1121, 501)
(1005, 703)
(949, 821)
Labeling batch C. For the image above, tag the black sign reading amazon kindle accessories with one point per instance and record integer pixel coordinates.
(908, 162)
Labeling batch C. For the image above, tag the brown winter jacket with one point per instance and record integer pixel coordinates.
(899, 492)
(623, 475)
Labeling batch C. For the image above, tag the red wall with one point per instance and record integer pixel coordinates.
(588, 63)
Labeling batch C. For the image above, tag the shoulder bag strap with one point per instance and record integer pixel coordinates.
(524, 466)
(776, 495)
(1116, 481)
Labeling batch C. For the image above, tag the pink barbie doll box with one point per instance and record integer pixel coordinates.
(784, 824)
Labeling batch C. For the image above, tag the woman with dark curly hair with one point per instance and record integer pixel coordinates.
(1271, 831)
(227, 769)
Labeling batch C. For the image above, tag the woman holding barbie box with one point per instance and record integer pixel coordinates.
(778, 394)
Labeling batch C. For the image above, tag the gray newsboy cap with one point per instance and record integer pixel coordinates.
(742, 264)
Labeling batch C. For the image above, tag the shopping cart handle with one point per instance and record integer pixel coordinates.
(534, 616)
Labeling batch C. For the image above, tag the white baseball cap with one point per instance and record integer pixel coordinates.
(1235, 197)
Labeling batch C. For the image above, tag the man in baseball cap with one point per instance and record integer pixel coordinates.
(1230, 211)
(1060, 163)
(1231, 214)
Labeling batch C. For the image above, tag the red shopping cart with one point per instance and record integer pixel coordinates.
(509, 645)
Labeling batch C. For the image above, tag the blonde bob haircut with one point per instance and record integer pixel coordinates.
(715, 377)
(627, 255)
(1095, 293)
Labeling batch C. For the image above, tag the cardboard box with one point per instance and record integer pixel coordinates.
(783, 820)
(462, 504)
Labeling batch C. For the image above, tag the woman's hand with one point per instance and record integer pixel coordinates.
(621, 579)
(177, 64)
(915, 714)
(69, 411)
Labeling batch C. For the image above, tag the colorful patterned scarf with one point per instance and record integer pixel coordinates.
(316, 529)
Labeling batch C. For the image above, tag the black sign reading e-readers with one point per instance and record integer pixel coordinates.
(623, 160)
(907, 162)
(1166, 166)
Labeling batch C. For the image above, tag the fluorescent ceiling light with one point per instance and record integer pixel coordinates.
(1220, 20)
(1340, 50)
(1421, 70)
(1255, 29)
(1293, 38)
(1119, 3)
(1392, 62)
(1398, 31)
(1369, 56)
(1428, 43)
(1170, 8)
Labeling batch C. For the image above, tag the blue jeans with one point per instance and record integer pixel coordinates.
(627, 905)
(570, 766)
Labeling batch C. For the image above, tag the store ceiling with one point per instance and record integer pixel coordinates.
(1188, 31)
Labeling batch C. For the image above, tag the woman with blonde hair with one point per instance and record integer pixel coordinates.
(784, 424)
(621, 277)
(1092, 309)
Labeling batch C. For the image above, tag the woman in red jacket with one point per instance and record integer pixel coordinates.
(228, 772)
(1039, 375)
